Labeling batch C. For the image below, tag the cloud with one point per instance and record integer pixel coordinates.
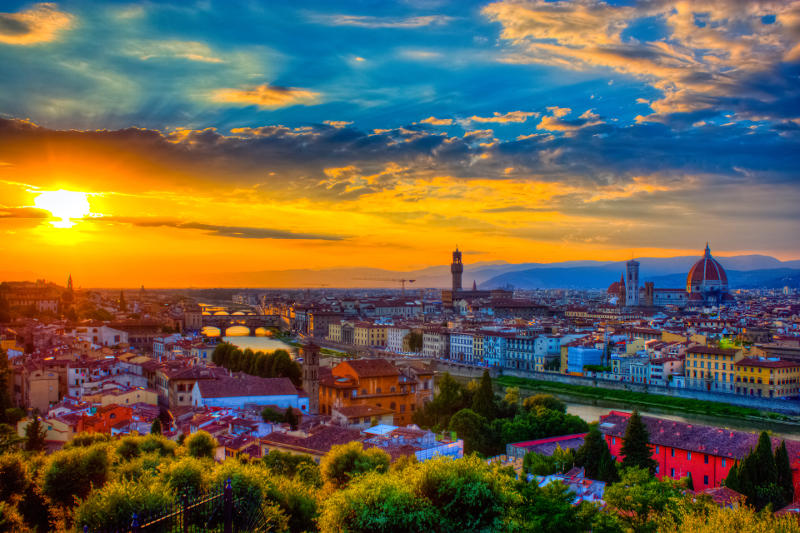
(437, 121)
(511, 116)
(191, 50)
(23, 212)
(362, 21)
(40, 24)
(337, 123)
(238, 232)
(555, 121)
(717, 55)
(266, 96)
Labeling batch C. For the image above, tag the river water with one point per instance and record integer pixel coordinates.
(259, 344)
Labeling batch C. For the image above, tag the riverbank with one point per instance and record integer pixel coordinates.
(703, 411)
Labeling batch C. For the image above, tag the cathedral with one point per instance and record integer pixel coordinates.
(706, 285)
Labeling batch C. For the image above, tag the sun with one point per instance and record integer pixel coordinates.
(66, 205)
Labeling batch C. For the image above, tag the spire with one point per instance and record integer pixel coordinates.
(474, 285)
(708, 250)
(69, 283)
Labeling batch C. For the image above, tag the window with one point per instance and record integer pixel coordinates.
(392, 389)
(657, 449)
(671, 472)
(657, 469)
(688, 456)
(378, 390)
(392, 406)
(672, 452)
(705, 480)
(705, 459)
(613, 440)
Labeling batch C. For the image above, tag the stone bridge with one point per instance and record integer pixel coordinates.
(251, 322)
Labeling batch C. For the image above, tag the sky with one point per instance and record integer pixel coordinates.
(149, 142)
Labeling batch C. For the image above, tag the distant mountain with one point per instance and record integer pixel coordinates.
(602, 277)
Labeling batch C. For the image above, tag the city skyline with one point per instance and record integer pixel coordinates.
(146, 143)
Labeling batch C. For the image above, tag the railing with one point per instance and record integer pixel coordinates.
(217, 510)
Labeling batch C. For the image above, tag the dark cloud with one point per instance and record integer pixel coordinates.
(238, 232)
(23, 212)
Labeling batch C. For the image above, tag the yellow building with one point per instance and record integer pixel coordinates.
(125, 397)
(335, 332)
(634, 345)
(368, 334)
(477, 347)
(42, 389)
(767, 378)
(668, 336)
(713, 368)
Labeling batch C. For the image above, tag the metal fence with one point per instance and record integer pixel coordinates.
(217, 511)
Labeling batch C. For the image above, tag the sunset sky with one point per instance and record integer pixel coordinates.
(225, 136)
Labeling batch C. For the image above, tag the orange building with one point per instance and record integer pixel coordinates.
(105, 418)
(373, 382)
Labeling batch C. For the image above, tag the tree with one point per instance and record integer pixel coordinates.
(548, 401)
(512, 395)
(291, 418)
(595, 457)
(346, 461)
(636, 450)
(484, 402)
(268, 414)
(471, 428)
(9, 439)
(784, 472)
(639, 500)
(201, 444)
(552, 509)
(415, 341)
(5, 396)
(35, 434)
(155, 428)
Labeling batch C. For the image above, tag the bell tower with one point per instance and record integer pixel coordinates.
(632, 284)
(311, 376)
(456, 269)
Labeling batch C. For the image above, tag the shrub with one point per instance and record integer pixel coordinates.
(201, 444)
(112, 506)
(74, 472)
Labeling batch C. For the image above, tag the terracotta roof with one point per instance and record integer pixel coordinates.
(706, 269)
(368, 368)
(723, 496)
(765, 363)
(359, 411)
(246, 386)
(320, 441)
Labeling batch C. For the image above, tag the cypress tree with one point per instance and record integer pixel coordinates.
(608, 471)
(483, 403)
(155, 429)
(732, 481)
(590, 454)
(291, 418)
(35, 434)
(636, 450)
(764, 470)
(784, 472)
(689, 482)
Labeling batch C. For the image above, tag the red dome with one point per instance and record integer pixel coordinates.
(706, 270)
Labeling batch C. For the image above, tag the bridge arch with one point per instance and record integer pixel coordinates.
(211, 331)
(237, 331)
(262, 332)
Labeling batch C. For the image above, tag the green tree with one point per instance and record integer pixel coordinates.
(757, 476)
(73, 473)
(201, 444)
(595, 457)
(155, 428)
(9, 440)
(346, 461)
(291, 418)
(484, 401)
(450, 399)
(471, 428)
(636, 449)
(548, 401)
(551, 509)
(35, 434)
(640, 501)
(268, 414)
(784, 472)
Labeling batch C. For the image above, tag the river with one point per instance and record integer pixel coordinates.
(259, 344)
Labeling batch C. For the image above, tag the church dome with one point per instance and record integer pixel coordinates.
(706, 274)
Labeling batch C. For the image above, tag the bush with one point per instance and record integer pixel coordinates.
(346, 461)
(73, 473)
(84, 440)
(201, 445)
(548, 401)
(128, 448)
(112, 506)
(187, 475)
(156, 443)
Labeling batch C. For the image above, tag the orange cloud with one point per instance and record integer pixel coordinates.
(40, 24)
(266, 96)
(511, 116)
(437, 121)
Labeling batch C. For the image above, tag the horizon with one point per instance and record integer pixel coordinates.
(168, 143)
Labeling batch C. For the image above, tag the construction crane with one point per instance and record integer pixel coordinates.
(401, 281)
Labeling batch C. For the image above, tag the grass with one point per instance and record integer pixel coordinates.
(688, 405)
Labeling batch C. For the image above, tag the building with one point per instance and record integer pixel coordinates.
(707, 282)
(711, 368)
(436, 342)
(369, 334)
(374, 382)
(767, 378)
(632, 283)
(242, 389)
(545, 446)
(581, 356)
(315, 443)
(361, 416)
(707, 452)
(311, 376)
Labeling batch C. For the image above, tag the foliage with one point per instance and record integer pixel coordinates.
(73, 473)
(277, 364)
(10, 519)
(741, 519)
(9, 440)
(201, 444)
(286, 464)
(346, 461)
(35, 434)
(484, 402)
(113, 505)
(83, 440)
(512, 396)
(5, 396)
(415, 341)
(271, 415)
(187, 474)
(437, 495)
(548, 401)
(639, 500)
(471, 428)
(155, 428)
(551, 509)
(452, 398)
(595, 457)
(636, 451)
(544, 465)
(128, 448)
(764, 478)
(291, 418)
